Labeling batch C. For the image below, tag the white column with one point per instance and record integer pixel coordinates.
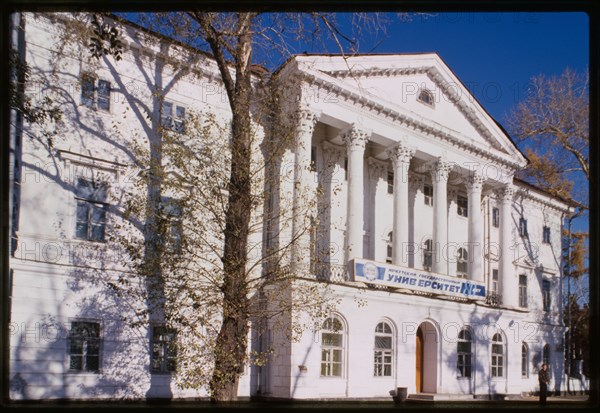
(506, 271)
(400, 155)
(378, 174)
(439, 178)
(300, 248)
(475, 264)
(355, 140)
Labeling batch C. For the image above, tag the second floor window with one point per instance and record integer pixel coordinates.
(461, 263)
(91, 209)
(546, 297)
(428, 255)
(546, 235)
(523, 290)
(495, 280)
(462, 206)
(428, 195)
(172, 213)
(173, 117)
(495, 217)
(389, 249)
(522, 227)
(95, 93)
(390, 182)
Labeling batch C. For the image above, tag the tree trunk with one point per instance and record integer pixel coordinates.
(231, 344)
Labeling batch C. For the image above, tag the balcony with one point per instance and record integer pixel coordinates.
(493, 299)
(332, 273)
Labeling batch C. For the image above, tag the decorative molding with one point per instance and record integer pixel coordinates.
(397, 118)
(475, 182)
(440, 169)
(506, 193)
(400, 154)
(355, 138)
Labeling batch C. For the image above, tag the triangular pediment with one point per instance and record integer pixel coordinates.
(396, 82)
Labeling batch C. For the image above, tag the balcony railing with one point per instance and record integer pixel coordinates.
(332, 273)
(493, 299)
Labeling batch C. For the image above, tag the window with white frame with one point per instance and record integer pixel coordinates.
(390, 182)
(164, 350)
(91, 208)
(383, 353)
(464, 353)
(172, 117)
(428, 194)
(95, 93)
(462, 258)
(495, 217)
(84, 346)
(389, 248)
(462, 206)
(523, 290)
(522, 227)
(524, 360)
(497, 356)
(546, 295)
(332, 347)
(428, 254)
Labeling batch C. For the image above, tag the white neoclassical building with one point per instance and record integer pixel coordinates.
(447, 269)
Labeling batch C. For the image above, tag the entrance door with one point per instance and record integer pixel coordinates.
(419, 366)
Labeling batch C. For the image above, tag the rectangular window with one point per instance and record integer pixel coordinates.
(463, 362)
(164, 350)
(462, 206)
(497, 360)
(495, 280)
(523, 290)
(495, 217)
(84, 346)
(172, 213)
(522, 227)
(546, 297)
(390, 182)
(91, 210)
(428, 195)
(95, 93)
(546, 235)
(172, 117)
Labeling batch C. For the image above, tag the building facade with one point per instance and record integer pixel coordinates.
(447, 269)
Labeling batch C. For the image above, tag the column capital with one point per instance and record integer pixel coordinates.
(308, 120)
(506, 193)
(400, 153)
(378, 167)
(475, 182)
(355, 138)
(440, 169)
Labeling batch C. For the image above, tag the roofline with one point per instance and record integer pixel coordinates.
(523, 182)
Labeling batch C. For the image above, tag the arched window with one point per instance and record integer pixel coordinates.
(497, 356)
(425, 96)
(461, 263)
(384, 353)
(524, 360)
(332, 347)
(428, 254)
(464, 353)
(389, 248)
(546, 355)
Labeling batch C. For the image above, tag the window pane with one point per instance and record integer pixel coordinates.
(103, 95)
(93, 363)
(337, 356)
(76, 363)
(337, 370)
(383, 342)
(87, 91)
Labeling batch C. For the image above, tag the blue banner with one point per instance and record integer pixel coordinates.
(413, 279)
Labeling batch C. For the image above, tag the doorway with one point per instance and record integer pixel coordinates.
(426, 356)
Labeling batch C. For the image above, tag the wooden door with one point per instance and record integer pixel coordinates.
(419, 357)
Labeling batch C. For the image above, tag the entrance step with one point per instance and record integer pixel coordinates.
(438, 397)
